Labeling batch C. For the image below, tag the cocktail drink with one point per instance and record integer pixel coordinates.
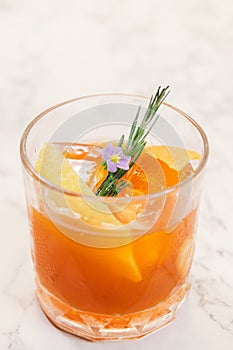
(111, 267)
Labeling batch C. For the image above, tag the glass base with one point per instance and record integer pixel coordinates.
(99, 327)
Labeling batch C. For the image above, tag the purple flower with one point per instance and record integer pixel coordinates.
(114, 158)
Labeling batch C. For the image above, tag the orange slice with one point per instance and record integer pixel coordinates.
(176, 158)
(159, 167)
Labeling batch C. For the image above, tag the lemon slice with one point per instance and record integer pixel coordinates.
(54, 167)
(176, 158)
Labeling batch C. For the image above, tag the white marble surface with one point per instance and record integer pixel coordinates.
(56, 50)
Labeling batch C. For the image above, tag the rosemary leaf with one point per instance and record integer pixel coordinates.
(135, 145)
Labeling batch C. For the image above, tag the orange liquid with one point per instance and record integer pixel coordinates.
(89, 278)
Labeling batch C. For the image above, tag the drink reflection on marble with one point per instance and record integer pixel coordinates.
(118, 267)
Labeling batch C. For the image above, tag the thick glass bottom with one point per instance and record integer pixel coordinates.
(99, 327)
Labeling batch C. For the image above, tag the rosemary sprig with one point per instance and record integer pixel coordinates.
(136, 142)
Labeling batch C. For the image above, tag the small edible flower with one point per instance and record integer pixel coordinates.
(114, 158)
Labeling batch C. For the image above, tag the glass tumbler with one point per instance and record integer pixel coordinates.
(112, 268)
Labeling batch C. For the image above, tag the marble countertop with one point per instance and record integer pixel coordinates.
(55, 50)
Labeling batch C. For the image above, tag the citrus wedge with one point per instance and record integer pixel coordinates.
(52, 165)
(92, 211)
(159, 167)
(176, 158)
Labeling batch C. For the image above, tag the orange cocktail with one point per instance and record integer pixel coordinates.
(112, 268)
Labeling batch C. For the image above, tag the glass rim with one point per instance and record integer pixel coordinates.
(32, 171)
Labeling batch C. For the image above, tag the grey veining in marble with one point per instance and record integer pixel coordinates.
(55, 50)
